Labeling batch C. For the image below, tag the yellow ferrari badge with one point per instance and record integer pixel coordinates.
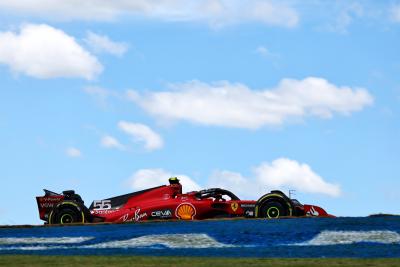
(234, 206)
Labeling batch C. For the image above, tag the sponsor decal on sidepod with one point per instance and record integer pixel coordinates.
(185, 211)
(162, 214)
(137, 216)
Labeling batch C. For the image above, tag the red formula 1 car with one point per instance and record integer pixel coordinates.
(168, 202)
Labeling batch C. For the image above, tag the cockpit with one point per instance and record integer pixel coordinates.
(217, 194)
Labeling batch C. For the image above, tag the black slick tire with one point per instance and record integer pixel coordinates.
(66, 214)
(273, 210)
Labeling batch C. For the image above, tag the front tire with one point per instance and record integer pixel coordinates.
(273, 210)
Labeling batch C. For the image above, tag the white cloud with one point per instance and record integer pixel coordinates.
(285, 173)
(395, 13)
(274, 13)
(73, 152)
(42, 51)
(102, 43)
(147, 178)
(280, 174)
(108, 141)
(142, 133)
(345, 17)
(236, 105)
(213, 12)
(235, 182)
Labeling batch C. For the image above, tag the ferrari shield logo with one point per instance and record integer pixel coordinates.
(234, 206)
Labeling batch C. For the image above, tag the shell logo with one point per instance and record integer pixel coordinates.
(185, 211)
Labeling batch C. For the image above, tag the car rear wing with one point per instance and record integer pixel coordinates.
(47, 202)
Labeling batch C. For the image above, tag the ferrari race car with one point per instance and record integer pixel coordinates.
(167, 202)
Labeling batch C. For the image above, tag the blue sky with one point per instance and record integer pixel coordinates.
(109, 98)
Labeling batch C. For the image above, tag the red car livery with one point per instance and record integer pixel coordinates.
(166, 203)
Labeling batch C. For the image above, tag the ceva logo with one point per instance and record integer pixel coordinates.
(161, 214)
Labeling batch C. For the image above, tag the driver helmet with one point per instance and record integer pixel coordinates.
(173, 180)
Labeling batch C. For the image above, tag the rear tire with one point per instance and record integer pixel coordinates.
(66, 214)
(273, 210)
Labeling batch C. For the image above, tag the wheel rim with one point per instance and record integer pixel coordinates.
(66, 218)
(273, 212)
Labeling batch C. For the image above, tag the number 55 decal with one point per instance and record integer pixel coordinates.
(102, 204)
